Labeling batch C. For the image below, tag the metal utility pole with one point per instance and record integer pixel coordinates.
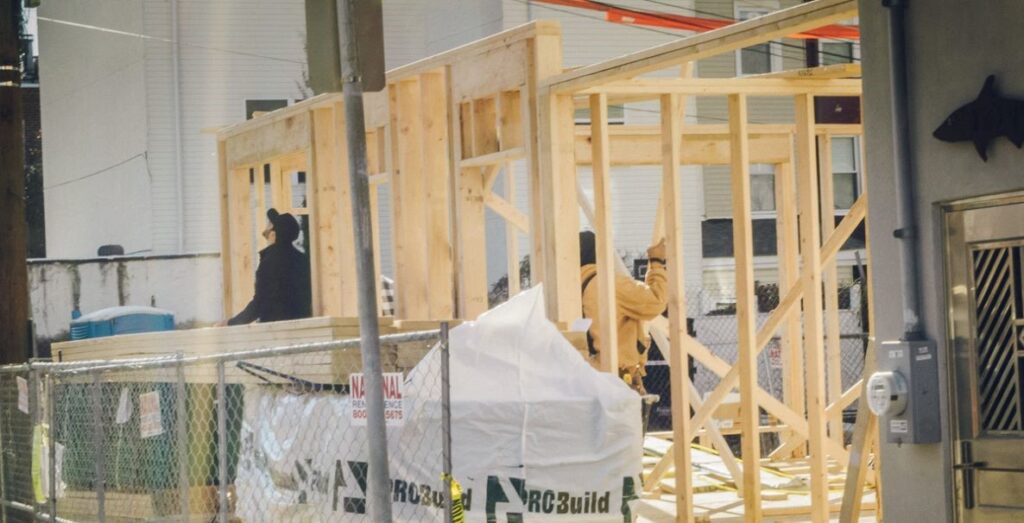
(13, 250)
(378, 491)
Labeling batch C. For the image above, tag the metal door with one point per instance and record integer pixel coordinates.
(985, 293)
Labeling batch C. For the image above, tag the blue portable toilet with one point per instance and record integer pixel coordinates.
(121, 320)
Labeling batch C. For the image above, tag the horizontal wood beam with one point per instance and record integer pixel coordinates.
(825, 71)
(697, 149)
(723, 129)
(506, 210)
(728, 86)
(779, 24)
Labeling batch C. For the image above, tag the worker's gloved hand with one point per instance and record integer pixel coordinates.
(657, 250)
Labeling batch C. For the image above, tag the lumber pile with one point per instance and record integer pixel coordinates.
(785, 490)
(331, 366)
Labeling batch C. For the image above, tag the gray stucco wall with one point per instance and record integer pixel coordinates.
(952, 46)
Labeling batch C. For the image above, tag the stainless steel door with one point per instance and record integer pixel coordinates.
(985, 293)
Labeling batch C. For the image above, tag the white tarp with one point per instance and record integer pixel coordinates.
(537, 434)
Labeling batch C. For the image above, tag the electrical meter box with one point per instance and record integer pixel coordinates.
(904, 393)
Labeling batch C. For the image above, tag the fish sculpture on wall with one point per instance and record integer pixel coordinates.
(988, 117)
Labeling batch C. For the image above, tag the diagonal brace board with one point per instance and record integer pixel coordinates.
(730, 374)
(508, 211)
(786, 306)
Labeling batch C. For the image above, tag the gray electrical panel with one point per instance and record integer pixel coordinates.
(909, 369)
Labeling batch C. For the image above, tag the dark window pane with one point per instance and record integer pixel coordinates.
(262, 106)
(836, 53)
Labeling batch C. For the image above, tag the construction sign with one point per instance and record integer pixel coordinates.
(394, 406)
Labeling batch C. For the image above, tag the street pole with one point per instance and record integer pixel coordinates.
(378, 491)
(13, 249)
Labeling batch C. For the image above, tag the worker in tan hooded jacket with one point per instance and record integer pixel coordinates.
(636, 303)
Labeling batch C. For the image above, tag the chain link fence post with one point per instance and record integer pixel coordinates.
(51, 412)
(181, 429)
(4, 502)
(446, 422)
(99, 446)
(222, 445)
(34, 418)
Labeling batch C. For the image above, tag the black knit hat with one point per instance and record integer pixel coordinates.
(286, 227)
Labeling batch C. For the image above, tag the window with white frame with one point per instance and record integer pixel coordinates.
(760, 58)
(837, 52)
(845, 170)
(762, 188)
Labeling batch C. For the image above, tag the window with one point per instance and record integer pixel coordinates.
(762, 188)
(616, 115)
(845, 171)
(262, 106)
(761, 58)
(837, 53)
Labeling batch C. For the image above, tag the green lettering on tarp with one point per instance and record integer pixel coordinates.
(495, 495)
(339, 483)
(628, 494)
(357, 505)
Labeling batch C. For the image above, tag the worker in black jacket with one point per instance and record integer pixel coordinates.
(282, 278)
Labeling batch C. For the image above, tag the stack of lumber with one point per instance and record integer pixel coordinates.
(125, 507)
(331, 366)
(785, 488)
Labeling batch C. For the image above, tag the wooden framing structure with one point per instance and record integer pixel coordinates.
(447, 127)
(439, 134)
(806, 251)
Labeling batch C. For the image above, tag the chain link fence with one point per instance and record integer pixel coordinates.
(713, 315)
(265, 435)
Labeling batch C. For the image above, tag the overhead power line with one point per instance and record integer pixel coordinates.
(166, 40)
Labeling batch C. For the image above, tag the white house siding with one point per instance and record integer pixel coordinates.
(93, 110)
(712, 110)
(215, 84)
(108, 108)
(405, 31)
(160, 105)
